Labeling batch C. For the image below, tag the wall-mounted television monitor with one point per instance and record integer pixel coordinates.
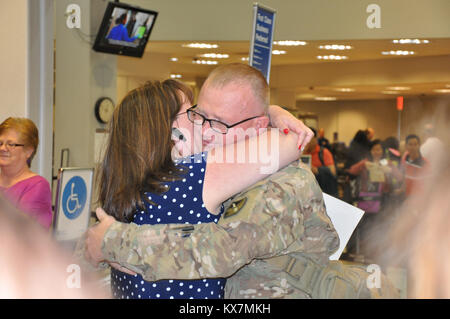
(125, 30)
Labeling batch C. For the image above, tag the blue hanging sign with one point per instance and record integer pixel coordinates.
(262, 38)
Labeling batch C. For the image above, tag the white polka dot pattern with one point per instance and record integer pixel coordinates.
(182, 203)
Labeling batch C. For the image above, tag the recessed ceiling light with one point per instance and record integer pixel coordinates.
(335, 47)
(214, 55)
(398, 88)
(442, 91)
(398, 52)
(332, 57)
(325, 98)
(245, 59)
(389, 92)
(410, 41)
(344, 90)
(208, 62)
(174, 59)
(289, 43)
(278, 52)
(305, 96)
(176, 76)
(200, 45)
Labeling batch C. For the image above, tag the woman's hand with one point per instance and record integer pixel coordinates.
(285, 122)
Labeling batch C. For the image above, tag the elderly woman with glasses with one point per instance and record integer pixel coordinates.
(25, 189)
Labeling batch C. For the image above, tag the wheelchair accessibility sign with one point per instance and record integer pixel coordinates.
(74, 197)
(73, 203)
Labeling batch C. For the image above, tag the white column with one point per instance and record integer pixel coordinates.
(40, 81)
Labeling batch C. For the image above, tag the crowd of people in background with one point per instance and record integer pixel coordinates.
(378, 176)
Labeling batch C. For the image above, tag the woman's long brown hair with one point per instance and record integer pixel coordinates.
(138, 154)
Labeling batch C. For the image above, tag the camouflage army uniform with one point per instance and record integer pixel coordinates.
(276, 235)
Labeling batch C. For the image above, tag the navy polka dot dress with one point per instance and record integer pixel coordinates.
(181, 204)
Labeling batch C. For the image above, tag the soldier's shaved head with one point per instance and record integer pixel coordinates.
(240, 75)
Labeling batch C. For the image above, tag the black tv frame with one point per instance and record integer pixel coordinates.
(101, 46)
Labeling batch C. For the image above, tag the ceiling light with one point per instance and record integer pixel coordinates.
(201, 46)
(214, 56)
(389, 92)
(245, 59)
(289, 43)
(442, 91)
(174, 59)
(305, 96)
(344, 90)
(176, 76)
(332, 57)
(335, 47)
(278, 52)
(325, 98)
(208, 62)
(398, 88)
(398, 52)
(410, 41)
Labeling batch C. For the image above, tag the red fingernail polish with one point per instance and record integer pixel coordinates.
(286, 131)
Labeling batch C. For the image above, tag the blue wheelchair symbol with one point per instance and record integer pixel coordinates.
(74, 197)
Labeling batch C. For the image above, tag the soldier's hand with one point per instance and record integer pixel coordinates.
(94, 237)
(286, 122)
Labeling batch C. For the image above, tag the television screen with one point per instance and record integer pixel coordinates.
(125, 30)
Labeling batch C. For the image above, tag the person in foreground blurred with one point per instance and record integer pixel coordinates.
(420, 238)
(19, 139)
(432, 148)
(33, 266)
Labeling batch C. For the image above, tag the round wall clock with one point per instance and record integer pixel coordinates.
(104, 109)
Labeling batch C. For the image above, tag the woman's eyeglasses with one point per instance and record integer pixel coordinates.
(10, 146)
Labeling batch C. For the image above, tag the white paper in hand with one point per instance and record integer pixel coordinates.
(345, 218)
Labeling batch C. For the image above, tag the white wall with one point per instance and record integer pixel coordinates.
(132, 72)
(82, 76)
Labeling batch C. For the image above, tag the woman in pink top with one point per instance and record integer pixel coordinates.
(19, 139)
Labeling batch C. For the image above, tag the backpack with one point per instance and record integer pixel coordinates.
(327, 181)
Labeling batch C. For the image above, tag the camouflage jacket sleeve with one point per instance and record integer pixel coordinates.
(80, 259)
(261, 222)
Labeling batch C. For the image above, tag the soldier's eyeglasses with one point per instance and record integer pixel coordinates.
(218, 126)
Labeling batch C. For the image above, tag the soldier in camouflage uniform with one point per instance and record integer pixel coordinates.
(274, 240)
(277, 233)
